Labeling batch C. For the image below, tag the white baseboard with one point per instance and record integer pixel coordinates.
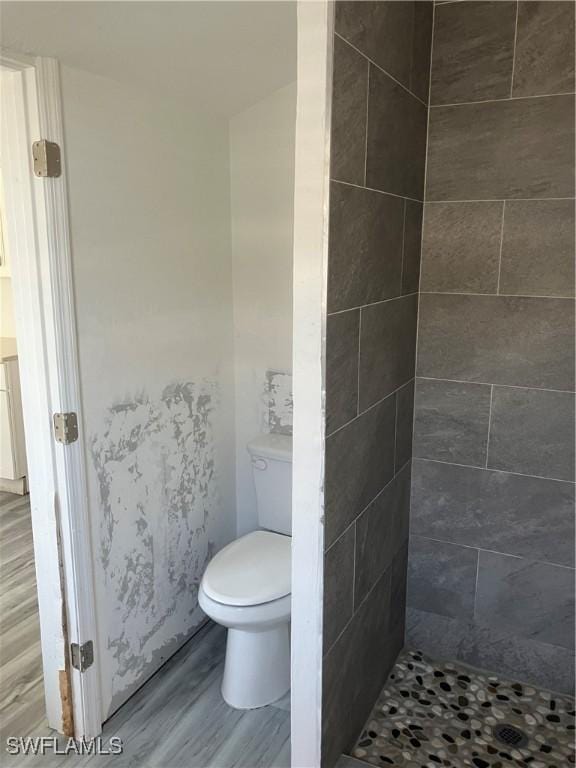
(19, 486)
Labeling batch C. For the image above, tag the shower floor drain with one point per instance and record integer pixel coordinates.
(510, 735)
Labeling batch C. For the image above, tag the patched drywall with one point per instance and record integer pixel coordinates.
(155, 464)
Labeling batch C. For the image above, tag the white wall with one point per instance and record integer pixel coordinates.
(262, 206)
(149, 196)
(7, 326)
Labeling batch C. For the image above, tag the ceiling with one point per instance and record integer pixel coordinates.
(223, 56)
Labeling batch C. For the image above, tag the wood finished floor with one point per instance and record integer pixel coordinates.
(179, 719)
(22, 707)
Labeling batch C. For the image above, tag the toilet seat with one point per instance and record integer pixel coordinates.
(252, 570)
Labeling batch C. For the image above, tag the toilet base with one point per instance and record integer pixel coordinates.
(257, 668)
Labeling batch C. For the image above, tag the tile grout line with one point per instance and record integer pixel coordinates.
(395, 430)
(354, 571)
(483, 199)
(360, 604)
(402, 197)
(403, 246)
(503, 295)
(489, 424)
(493, 551)
(367, 410)
(514, 50)
(366, 131)
(422, 227)
(476, 582)
(495, 469)
(359, 515)
(501, 248)
(373, 303)
(358, 363)
(505, 99)
(380, 68)
(497, 384)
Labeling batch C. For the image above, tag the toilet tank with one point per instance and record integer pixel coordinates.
(272, 469)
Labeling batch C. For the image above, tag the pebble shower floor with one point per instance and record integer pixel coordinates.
(442, 714)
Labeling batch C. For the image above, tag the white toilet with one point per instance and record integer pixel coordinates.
(246, 586)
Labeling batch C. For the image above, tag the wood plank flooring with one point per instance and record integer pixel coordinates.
(179, 719)
(22, 708)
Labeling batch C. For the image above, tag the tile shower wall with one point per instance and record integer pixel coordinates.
(380, 91)
(491, 578)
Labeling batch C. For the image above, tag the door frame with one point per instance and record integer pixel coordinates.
(39, 249)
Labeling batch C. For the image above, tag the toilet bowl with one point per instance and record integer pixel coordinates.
(246, 588)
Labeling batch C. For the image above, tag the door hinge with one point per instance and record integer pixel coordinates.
(82, 656)
(46, 156)
(66, 427)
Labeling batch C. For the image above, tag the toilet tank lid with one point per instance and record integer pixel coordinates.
(272, 446)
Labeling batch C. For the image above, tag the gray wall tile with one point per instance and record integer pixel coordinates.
(522, 597)
(442, 577)
(473, 51)
(387, 347)
(381, 30)
(497, 274)
(373, 264)
(359, 463)
(354, 671)
(451, 421)
(396, 148)
(381, 531)
(484, 647)
(412, 246)
(396, 36)
(502, 149)
(347, 151)
(404, 424)
(461, 247)
(532, 432)
(422, 40)
(398, 590)
(497, 339)
(538, 248)
(544, 48)
(342, 340)
(525, 516)
(365, 263)
(338, 587)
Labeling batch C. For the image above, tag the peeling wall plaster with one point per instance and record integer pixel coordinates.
(155, 462)
(279, 402)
